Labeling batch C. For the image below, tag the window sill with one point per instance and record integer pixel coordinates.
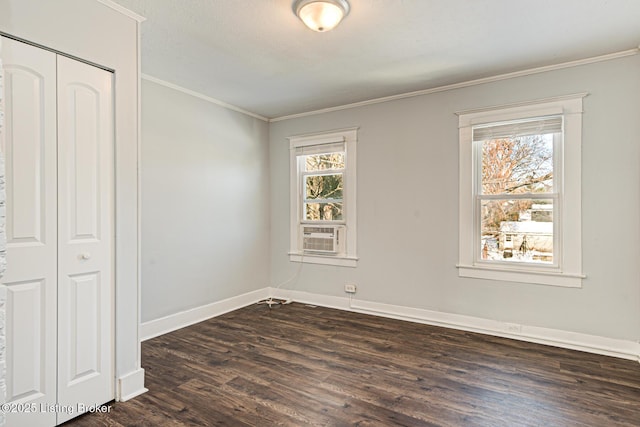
(522, 276)
(341, 261)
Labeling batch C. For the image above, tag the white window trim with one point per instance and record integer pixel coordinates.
(349, 137)
(568, 273)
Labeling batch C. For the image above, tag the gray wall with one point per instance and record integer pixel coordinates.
(408, 205)
(205, 202)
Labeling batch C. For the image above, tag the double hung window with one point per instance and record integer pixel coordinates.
(323, 198)
(517, 186)
(520, 217)
(322, 183)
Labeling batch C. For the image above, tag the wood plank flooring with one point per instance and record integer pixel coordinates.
(296, 365)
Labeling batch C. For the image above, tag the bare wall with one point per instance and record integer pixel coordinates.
(408, 205)
(205, 202)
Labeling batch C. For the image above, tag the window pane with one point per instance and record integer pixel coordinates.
(321, 162)
(517, 230)
(517, 165)
(323, 186)
(323, 211)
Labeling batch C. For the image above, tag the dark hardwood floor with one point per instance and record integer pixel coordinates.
(297, 365)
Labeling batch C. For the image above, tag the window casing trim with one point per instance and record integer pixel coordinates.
(568, 230)
(333, 139)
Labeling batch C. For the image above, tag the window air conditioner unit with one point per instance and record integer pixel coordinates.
(323, 239)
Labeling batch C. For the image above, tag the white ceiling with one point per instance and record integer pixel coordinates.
(257, 55)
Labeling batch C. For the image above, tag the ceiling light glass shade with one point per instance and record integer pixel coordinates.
(321, 15)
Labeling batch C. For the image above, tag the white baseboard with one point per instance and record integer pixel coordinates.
(131, 385)
(571, 340)
(555, 337)
(154, 328)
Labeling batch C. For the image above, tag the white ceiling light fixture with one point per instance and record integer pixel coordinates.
(321, 15)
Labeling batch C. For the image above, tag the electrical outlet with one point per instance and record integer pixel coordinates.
(350, 288)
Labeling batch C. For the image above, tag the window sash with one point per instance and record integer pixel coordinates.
(534, 126)
(304, 220)
(322, 172)
(557, 147)
(557, 241)
(302, 177)
(321, 201)
(558, 153)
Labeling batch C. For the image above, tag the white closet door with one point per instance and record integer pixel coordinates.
(85, 236)
(31, 279)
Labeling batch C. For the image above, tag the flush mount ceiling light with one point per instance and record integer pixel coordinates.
(321, 15)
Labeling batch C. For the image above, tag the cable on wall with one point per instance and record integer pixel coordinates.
(275, 301)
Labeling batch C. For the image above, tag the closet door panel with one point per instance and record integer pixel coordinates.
(85, 307)
(31, 278)
(82, 178)
(27, 188)
(85, 199)
(26, 307)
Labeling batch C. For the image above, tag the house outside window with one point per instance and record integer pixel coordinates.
(323, 198)
(516, 165)
(520, 192)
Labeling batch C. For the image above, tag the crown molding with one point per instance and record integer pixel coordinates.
(202, 96)
(123, 10)
(468, 83)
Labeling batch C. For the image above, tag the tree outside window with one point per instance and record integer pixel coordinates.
(517, 219)
(323, 187)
